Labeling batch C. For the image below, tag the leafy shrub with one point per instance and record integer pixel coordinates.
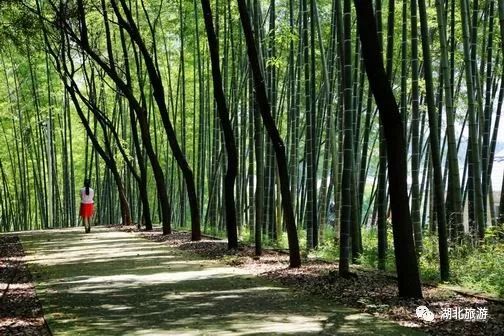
(473, 264)
(482, 269)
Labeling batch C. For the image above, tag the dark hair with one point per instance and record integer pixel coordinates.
(87, 184)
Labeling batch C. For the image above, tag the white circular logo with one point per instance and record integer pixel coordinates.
(424, 313)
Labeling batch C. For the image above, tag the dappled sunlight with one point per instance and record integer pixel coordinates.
(15, 286)
(88, 257)
(279, 323)
(57, 249)
(223, 294)
(252, 324)
(118, 284)
(359, 316)
(115, 307)
(135, 280)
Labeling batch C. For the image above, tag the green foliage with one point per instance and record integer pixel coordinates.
(429, 259)
(274, 62)
(481, 268)
(495, 234)
(328, 251)
(31, 92)
(18, 27)
(281, 243)
(476, 267)
(369, 256)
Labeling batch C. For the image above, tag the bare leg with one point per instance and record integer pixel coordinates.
(86, 224)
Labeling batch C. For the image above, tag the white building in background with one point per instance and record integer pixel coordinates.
(497, 174)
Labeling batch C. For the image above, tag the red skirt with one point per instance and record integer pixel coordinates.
(86, 210)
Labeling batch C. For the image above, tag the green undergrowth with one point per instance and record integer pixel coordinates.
(478, 267)
(474, 266)
(481, 267)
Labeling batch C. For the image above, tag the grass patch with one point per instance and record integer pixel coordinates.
(475, 266)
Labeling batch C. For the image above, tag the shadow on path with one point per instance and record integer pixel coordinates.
(113, 283)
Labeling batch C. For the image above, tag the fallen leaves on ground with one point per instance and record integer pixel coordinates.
(369, 291)
(20, 310)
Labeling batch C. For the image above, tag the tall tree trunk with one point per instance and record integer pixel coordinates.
(473, 112)
(415, 128)
(406, 261)
(232, 154)
(159, 95)
(278, 145)
(455, 208)
(434, 147)
(347, 215)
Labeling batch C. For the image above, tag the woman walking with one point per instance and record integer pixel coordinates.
(87, 204)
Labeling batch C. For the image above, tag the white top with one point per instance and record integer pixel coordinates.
(87, 199)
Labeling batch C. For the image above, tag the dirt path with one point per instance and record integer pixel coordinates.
(113, 283)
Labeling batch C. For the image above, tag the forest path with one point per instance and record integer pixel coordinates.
(115, 283)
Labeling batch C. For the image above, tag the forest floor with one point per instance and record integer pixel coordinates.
(369, 291)
(74, 272)
(117, 283)
(20, 310)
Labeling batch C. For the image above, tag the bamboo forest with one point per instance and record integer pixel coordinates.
(251, 167)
